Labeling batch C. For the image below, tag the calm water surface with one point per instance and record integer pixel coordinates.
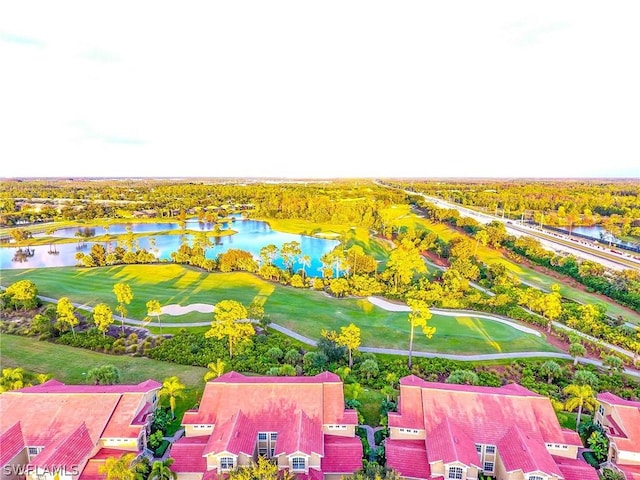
(252, 236)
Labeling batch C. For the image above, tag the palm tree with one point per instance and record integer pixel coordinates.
(580, 396)
(119, 468)
(161, 471)
(172, 388)
(305, 261)
(551, 369)
(216, 369)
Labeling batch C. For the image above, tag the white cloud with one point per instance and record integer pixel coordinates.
(326, 89)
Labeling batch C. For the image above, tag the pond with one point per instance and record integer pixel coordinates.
(597, 232)
(251, 236)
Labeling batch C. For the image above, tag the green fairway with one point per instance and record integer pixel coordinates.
(70, 365)
(526, 275)
(305, 311)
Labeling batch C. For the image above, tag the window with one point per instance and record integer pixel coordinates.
(226, 463)
(490, 449)
(262, 436)
(299, 463)
(601, 410)
(455, 473)
(33, 450)
(479, 448)
(488, 466)
(274, 436)
(273, 452)
(262, 452)
(535, 477)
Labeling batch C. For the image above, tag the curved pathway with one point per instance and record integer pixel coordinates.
(389, 351)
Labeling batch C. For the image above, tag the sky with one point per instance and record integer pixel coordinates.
(320, 89)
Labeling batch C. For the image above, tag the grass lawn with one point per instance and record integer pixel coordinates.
(370, 409)
(539, 280)
(304, 311)
(70, 364)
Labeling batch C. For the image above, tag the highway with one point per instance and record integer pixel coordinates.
(581, 248)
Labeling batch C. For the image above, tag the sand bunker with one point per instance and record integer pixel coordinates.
(176, 310)
(395, 307)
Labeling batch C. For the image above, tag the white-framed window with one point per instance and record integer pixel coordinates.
(490, 449)
(455, 473)
(298, 463)
(488, 466)
(226, 463)
(601, 410)
(412, 431)
(273, 452)
(274, 436)
(479, 448)
(535, 477)
(262, 452)
(34, 451)
(262, 436)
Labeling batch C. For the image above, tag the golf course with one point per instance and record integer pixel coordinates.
(304, 311)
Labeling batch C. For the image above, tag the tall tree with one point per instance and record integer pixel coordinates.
(349, 337)
(289, 252)
(216, 369)
(119, 468)
(154, 308)
(305, 261)
(262, 470)
(104, 375)
(580, 397)
(268, 254)
(160, 470)
(418, 317)
(551, 369)
(230, 322)
(11, 379)
(23, 293)
(102, 317)
(65, 315)
(404, 262)
(172, 389)
(576, 350)
(124, 295)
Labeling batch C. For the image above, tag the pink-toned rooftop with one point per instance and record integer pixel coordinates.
(456, 418)
(624, 423)
(296, 408)
(67, 421)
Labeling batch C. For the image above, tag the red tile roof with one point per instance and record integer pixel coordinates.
(66, 451)
(236, 435)
(235, 377)
(11, 443)
(54, 386)
(456, 417)
(452, 443)
(187, 454)
(612, 399)
(624, 422)
(631, 472)
(303, 435)
(574, 469)
(525, 451)
(408, 458)
(269, 401)
(105, 453)
(120, 423)
(91, 470)
(571, 437)
(341, 454)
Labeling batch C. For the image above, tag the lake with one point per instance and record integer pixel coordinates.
(252, 236)
(597, 232)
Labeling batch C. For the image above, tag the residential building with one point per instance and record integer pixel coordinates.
(620, 419)
(67, 431)
(458, 432)
(298, 422)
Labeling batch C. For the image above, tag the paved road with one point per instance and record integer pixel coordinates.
(392, 351)
(556, 241)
